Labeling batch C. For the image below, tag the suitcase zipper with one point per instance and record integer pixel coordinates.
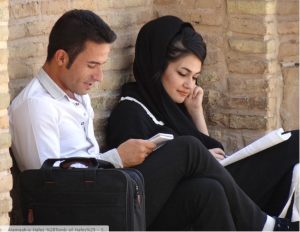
(30, 217)
(138, 194)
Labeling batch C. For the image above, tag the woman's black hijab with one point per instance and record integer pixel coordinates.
(149, 63)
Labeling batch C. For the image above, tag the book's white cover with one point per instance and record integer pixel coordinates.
(160, 139)
(268, 140)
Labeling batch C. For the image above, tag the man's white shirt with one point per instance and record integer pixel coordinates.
(46, 123)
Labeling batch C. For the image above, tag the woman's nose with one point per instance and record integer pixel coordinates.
(189, 84)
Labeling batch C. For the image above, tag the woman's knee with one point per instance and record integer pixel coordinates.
(188, 140)
(190, 143)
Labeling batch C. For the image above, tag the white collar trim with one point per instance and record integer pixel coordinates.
(161, 123)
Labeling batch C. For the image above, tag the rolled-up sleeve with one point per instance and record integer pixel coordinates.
(113, 157)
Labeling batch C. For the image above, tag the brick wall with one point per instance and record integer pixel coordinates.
(5, 160)
(247, 91)
(288, 57)
(249, 75)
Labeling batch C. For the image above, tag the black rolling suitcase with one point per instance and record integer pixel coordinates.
(97, 195)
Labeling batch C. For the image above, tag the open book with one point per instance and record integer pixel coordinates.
(268, 140)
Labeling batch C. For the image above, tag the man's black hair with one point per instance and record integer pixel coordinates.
(73, 29)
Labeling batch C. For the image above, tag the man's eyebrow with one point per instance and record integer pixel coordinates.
(190, 70)
(95, 62)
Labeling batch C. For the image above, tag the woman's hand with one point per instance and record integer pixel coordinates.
(218, 153)
(193, 104)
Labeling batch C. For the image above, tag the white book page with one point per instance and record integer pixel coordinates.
(268, 140)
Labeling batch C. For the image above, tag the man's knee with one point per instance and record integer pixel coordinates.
(202, 191)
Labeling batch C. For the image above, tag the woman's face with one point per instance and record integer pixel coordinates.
(179, 79)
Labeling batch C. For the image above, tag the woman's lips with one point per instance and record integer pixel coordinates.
(183, 93)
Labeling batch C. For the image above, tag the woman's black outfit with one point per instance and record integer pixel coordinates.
(186, 187)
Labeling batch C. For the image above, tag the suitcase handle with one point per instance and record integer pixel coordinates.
(66, 163)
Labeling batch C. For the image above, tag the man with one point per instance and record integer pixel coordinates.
(52, 117)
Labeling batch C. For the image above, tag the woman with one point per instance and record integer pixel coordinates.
(168, 59)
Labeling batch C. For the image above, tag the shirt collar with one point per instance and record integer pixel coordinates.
(50, 86)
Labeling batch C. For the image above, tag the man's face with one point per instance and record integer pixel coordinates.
(85, 70)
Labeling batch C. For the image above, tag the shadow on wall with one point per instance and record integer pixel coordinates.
(16, 217)
(27, 45)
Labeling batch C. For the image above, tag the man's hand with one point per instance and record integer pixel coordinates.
(134, 151)
(218, 153)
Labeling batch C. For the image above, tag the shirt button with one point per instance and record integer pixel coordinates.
(77, 104)
(82, 123)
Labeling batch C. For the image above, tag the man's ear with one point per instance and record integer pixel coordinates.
(61, 57)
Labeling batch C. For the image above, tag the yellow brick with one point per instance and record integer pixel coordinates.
(3, 86)
(5, 139)
(164, 2)
(252, 45)
(252, 7)
(288, 27)
(123, 19)
(112, 80)
(247, 122)
(4, 100)
(39, 27)
(17, 31)
(119, 60)
(4, 12)
(6, 205)
(6, 184)
(237, 85)
(4, 77)
(244, 65)
(104, 4)
(3, 56)
(288, 8)
(25, 9)
(211, 17)
(209, 4)
(54, 7)
(250, 25)
(28, 49)
(291, 76)
(3, 32)
(5, 160)
(288, 49)
(218, 119)
(4, 219)
(18, 70)
(214, 56)
(185, 3)
(128, 3)
(3, 44)
(86, 4)
(4, 123)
